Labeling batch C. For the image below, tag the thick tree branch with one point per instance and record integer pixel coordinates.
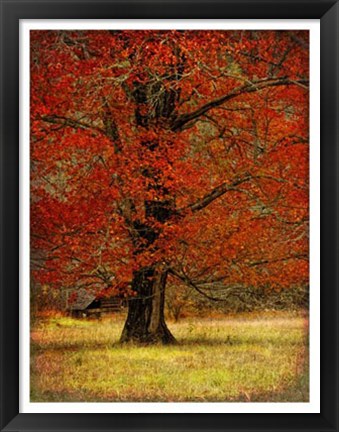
(255, 86)
(216, 193)
(226, 187)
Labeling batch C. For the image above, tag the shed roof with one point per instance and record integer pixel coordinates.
(83, 299)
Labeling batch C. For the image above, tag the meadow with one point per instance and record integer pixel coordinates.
(240, 358)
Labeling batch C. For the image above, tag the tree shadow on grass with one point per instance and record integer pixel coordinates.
(228, 341)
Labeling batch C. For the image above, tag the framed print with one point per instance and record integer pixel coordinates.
(169, 215)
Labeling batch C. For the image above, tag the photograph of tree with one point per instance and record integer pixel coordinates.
(169, 215)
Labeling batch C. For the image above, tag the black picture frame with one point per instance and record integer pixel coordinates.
(14, 10)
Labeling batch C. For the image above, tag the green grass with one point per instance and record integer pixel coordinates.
(248, 358)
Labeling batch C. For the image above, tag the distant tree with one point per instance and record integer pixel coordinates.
(169, 154)
(180, 299)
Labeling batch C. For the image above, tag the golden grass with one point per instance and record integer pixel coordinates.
(240, 358)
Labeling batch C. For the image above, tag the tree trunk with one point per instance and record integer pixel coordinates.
(145, 321)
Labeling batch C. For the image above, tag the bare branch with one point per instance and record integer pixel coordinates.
(296, 256)
(76, 124)
(188, 282)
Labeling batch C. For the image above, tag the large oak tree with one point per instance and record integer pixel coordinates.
(169, 154)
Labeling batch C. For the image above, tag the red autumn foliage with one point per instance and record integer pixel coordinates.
(185, 148)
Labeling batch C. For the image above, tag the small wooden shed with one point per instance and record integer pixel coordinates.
(83, 303)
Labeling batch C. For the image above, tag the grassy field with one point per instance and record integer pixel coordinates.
(248, 358)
